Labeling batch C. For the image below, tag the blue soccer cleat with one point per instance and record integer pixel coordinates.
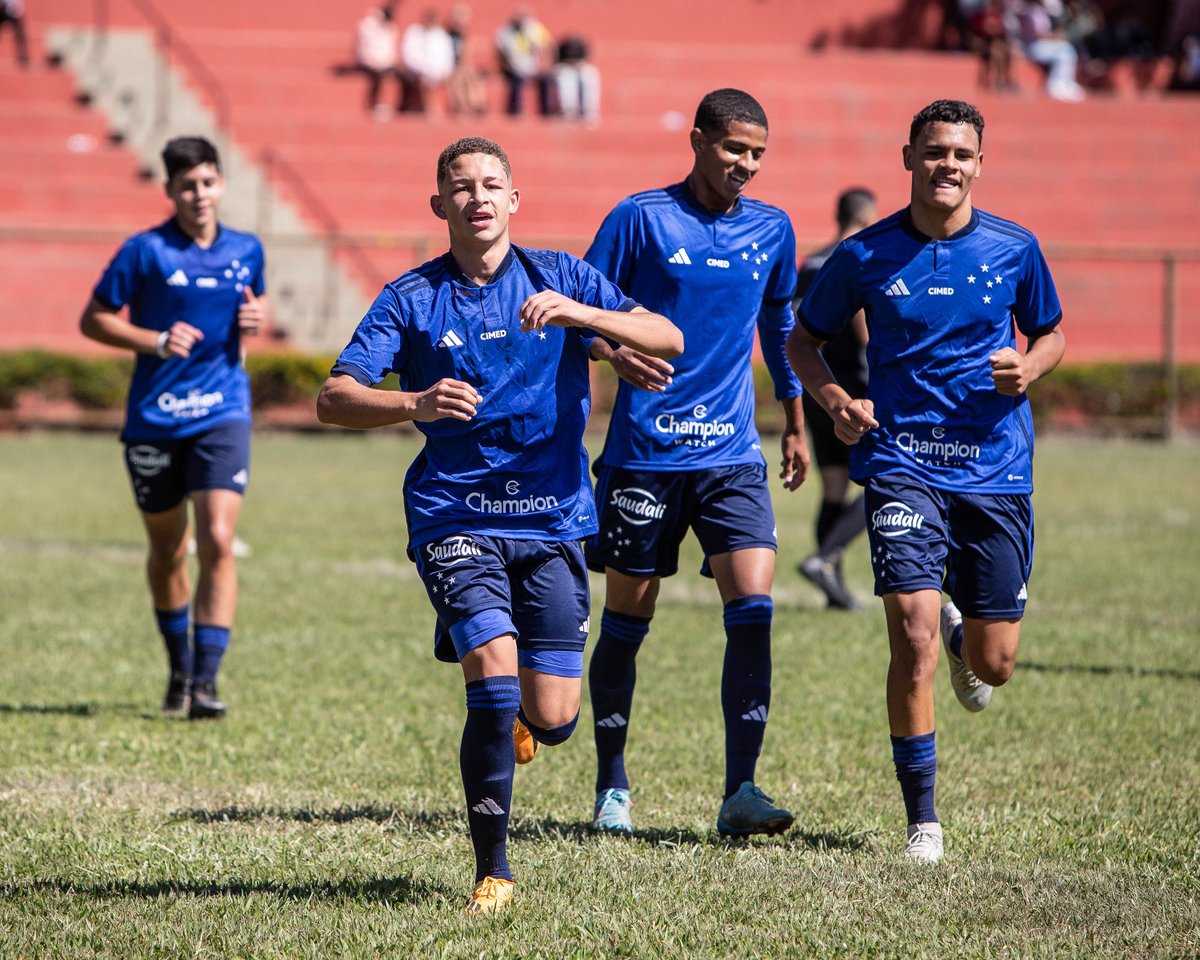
(748, 811)
(612, 812)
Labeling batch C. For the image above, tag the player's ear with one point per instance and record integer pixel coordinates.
(697, 138)
(908, 154)
(436, 205)
(514, 200)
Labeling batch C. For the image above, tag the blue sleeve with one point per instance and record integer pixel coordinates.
(775, 322)
(615, 249)
(377, 347)
(259, 283)
(1036, 308)
(589, 286)
(122, 279)
(834, 296)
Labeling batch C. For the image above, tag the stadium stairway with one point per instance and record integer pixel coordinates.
(1109, 185)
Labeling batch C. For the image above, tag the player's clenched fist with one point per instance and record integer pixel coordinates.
(551, 309)
(448, 398)
(252, 314)
(180, 340)
(854, 420)
(1010, 373)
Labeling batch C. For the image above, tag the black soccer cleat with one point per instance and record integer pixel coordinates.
(205, 705)
(823, 574)
(178, 700)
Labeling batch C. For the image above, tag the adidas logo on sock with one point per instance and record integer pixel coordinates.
(450, 340)
(616, 721)
(758, 713)
(898, 289)
(488, 806)
(680, 256)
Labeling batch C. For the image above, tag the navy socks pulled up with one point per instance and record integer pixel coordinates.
(916, 769)
(746, 685)
(612, 675)
(486, 761)
(175, 625)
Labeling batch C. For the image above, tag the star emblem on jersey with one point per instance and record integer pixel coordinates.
(239, 272)
(983, 267)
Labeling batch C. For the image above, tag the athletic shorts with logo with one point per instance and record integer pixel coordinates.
(645, 514)
(163, 472)
(484, 587)
(976, 547)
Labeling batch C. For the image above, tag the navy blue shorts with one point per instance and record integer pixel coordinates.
(978, 547)
(645, 514)
(163, 472)
(484, 587)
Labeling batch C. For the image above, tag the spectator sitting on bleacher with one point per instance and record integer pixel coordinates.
(1187, 67)
(987, 35)
(1047, 46)
(12, 15)
(427, 58)
(522, 45)
(464, 90)
(375, 42)
(578, 81)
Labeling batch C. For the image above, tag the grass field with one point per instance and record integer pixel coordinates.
(324, 817)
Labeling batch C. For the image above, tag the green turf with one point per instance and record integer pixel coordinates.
(324, 817)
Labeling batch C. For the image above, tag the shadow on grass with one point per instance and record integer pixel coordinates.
(1101, 670)
(419, 819)
(70, 709)
(377, 889)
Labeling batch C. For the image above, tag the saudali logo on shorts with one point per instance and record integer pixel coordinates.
(896, 519)
(148, 461)
(452, 550)
(637, 506)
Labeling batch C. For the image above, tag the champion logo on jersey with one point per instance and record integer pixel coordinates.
(613, 722)
(450, 340)
(177, 279)
(759, 713)
(680, 256)
(489, 806)
(897, 289)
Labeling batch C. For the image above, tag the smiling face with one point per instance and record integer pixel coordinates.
(945, 159)
(475, 198)
(725, 163)
(197, 193)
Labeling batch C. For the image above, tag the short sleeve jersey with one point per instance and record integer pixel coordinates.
(936, 311)
(518, 469)
(164, 276)
(711, 275)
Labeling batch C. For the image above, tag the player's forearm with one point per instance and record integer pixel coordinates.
(775, 323)
(345, 402)
(640, 329)
(804, 354)
(105, 326)
(1045, 353)
(793, 413)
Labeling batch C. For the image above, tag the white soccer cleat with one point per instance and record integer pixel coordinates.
(924, 843)
(972, 692)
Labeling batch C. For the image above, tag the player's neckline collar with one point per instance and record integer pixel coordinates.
(458, 276)
(907, 225)
(693, 201)
(173, 223)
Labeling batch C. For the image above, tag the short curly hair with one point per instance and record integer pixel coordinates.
(946, 111)
(725, 106)
(465, 145)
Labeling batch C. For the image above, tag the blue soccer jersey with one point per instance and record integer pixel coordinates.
(164, 276)
(716, 276)
(518, 470)
(936, 311)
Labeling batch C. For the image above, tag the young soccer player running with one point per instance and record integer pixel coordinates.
(944, 439)
(193, 288)
(683, 451)
(490, 341)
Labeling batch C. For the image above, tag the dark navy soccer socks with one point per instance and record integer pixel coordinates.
(486, 760)
(956, 641)
(745, 685)
(550, 736)
(611, 678)
(174, 625)
(211, 643)
(916, 769)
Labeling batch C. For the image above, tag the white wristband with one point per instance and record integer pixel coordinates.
(161, 347)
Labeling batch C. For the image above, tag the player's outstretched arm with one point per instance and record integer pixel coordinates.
(346, 402)
(646, 332)
(105, 325)
(1013, 373)
(851, 418)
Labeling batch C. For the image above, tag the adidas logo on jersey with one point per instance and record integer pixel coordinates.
(613, 722)
(177, 279)
(680, 256)
(897, 289)
(759, 713)
(489, 806)
(450, 340)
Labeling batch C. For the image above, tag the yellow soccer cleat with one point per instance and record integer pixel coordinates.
(491, 895)
(524, 746)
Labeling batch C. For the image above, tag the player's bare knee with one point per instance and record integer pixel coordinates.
(994, 667)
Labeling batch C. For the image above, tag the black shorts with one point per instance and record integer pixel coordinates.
(163, 472)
